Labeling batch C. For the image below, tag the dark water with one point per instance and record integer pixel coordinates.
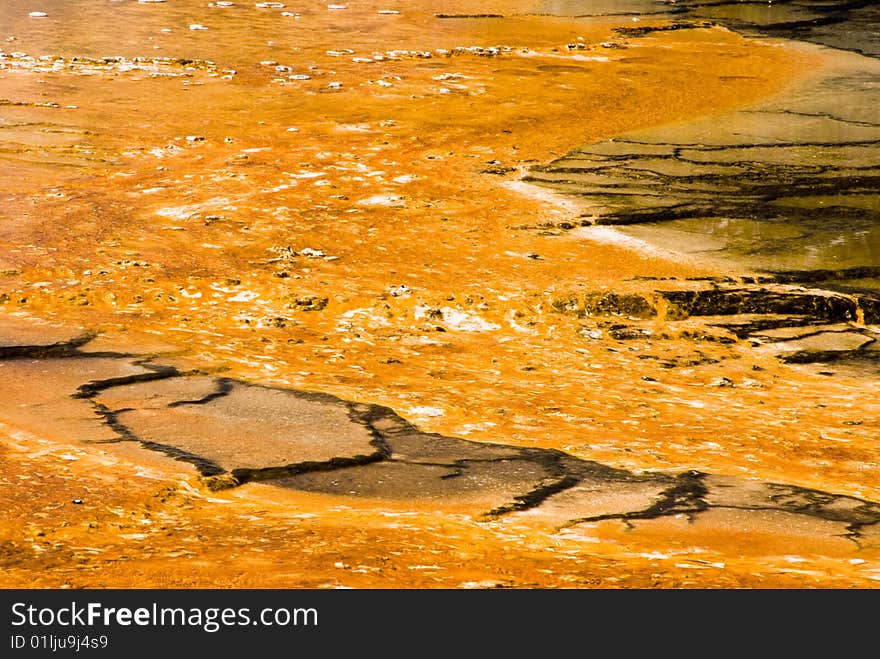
(790, 184)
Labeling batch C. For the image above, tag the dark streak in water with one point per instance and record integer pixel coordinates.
(224, 386)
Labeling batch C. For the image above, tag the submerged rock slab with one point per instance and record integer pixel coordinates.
(237, 426)
(489, 484)
(37, 393)
(17, 334)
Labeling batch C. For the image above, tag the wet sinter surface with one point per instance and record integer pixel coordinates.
(315, 240)
(781, 193)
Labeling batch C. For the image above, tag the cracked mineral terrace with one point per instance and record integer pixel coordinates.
(320, 443)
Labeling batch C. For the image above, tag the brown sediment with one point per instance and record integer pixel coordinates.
(405, 279)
